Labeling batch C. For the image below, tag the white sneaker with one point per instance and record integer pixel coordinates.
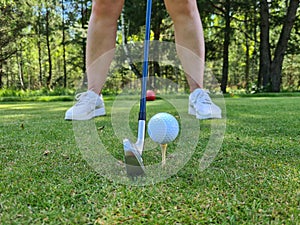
(88, 106)
(201, 106)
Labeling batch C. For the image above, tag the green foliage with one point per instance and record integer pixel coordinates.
(14, 17)
(24, 60)
(32, 93)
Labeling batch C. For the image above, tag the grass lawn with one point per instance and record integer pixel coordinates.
(255, 178)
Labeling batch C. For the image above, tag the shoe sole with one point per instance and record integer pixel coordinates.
(91, 115)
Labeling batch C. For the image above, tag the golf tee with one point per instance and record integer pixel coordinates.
(163, 152)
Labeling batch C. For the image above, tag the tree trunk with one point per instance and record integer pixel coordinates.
(157, 22)
(49, 78)
(64, 43)
(276, 66)
(126, 50)
(40, 63)
(20, 68)
(247, 68)
(226, 47)
(255, 58)
(1, 74)
(265, 55)
(83, 41)
(39, 50)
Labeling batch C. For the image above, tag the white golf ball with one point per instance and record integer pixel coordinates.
(163, 128)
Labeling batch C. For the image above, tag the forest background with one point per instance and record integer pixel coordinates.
(251, 46)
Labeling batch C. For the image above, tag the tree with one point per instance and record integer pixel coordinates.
(43, 43)
(48, 33)
(224, 10)
(227, 33)
(276, 65)
(265, 49)
(271, 69)
(84, 13)
(64, 41)
(12, 23)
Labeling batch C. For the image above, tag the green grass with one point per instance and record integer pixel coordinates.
(255, 178)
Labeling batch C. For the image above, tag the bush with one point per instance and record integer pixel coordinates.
(35, 93)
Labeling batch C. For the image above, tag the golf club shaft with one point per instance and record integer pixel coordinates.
(142, 114)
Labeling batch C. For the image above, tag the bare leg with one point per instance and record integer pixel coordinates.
(189, 39)
(101, 40)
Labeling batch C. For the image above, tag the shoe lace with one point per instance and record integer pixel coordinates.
(204, 98)
(80, 98)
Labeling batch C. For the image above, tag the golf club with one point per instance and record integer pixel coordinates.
(133, 151)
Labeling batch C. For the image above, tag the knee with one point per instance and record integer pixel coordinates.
(107, 9)
(181, 8)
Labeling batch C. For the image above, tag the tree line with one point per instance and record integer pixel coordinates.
(250, 45)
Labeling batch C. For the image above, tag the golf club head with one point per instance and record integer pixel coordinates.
(133, 160)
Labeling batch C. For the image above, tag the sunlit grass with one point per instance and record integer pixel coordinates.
(253, 180)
